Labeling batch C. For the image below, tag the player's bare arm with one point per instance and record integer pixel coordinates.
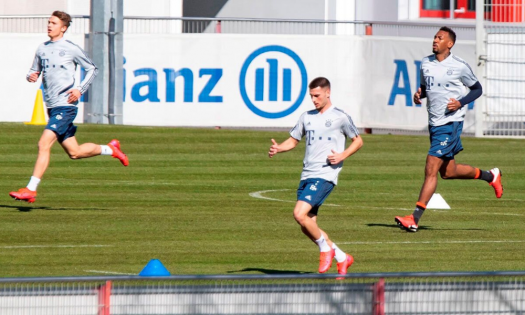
(33, 77)
(74, 95)
(287, 145)
(336, 158)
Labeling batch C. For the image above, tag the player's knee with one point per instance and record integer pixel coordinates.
(43, 146)
(299, 217)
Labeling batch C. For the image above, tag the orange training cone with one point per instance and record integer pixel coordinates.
(39, 118)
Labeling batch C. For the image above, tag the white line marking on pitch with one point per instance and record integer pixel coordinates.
(259, 194)
(109, 272)
(428, 242)
(511, 214)
(52, 246)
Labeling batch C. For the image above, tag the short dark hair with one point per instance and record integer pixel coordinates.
(450, 32)
(64, 17)
(319, 81)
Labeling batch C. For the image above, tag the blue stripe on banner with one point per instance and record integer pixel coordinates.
(259, 84)
(287, 85)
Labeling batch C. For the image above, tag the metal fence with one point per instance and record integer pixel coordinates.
(502, 61)
(377, 294)
(38, 24)
(178, 25)
(504, 86)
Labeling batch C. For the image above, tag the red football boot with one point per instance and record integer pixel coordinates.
(496, 182)
(117, 153)
(407, 223)
(325, 260)
(342, 267)
(24, 194)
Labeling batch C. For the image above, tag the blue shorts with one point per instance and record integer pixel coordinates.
(314, 191)
(61, 121)
(445, 141)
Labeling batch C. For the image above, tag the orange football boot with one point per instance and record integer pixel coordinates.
(117, 153)
(342, 267)
(407, 223)
(325, 260)
(24, 194)
(496, 182)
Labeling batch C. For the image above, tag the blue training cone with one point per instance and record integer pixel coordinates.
(154, 268)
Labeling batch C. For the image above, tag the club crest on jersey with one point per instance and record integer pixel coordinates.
(328, 123)
(450, 71)
(62, 53)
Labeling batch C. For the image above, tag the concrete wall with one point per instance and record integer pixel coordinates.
(32, 6)
(276, 9)
(83, 7)
(377, 10)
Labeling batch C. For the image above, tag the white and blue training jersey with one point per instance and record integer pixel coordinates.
(57, 63)
(445, 80)
(323, 133)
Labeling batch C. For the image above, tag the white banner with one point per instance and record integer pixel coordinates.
(247, 80)
(234, 80)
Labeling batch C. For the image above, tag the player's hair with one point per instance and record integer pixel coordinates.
(319, 82)
(450, 32)
(64, 17)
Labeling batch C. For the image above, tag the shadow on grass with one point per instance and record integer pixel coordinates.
(421, 227)
(24, 208)
(394, 226)
(271, 271)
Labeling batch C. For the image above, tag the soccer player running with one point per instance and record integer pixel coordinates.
(325, 129)
(443, 80)
(57, 60)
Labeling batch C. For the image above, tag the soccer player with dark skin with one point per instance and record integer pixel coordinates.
(443, 80)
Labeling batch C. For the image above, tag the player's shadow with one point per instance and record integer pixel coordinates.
(421, 227)
(270, 271)
(31, 208)
(395, 226)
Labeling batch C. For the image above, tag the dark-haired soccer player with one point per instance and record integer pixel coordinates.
(57, 60)
(325, 130)
(444, 78)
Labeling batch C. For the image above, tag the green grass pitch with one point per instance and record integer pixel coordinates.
(185, 199)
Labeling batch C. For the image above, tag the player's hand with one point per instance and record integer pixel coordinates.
(335, 158)
(74, 95)
(417, 96)
(274, 149)
(453, 104)
(33, 77)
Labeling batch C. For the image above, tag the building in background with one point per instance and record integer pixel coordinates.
(364, 10)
